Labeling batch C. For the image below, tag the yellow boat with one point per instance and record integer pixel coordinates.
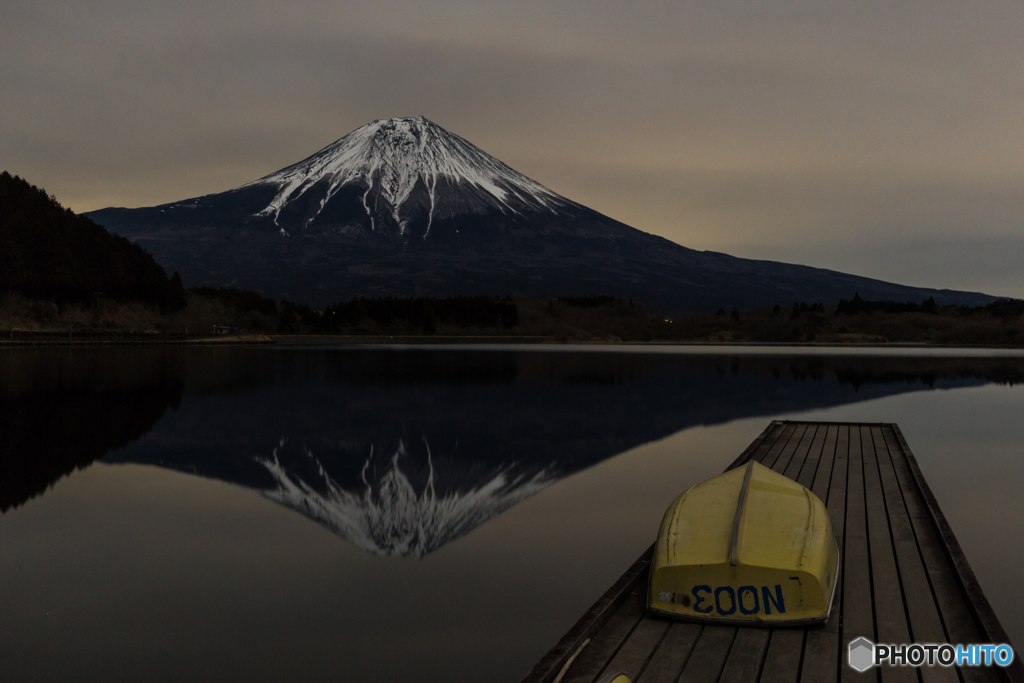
(750, 546)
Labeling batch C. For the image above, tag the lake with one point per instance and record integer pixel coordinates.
(417, 514)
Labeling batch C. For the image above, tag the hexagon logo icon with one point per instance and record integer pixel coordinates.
(862, 654)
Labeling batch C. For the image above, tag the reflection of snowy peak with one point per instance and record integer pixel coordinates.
(405, 169)
(400, 451)
(390, 515)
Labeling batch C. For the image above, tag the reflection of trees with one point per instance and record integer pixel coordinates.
(864, 370)
(61, 410)
(996, 371)
(417, 367)
(488, 414)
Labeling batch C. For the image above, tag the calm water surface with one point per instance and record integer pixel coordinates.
(403, 514)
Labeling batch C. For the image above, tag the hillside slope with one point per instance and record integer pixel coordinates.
(403, 207)
(47, 252)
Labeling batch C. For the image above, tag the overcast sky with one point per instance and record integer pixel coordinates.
(884, 139)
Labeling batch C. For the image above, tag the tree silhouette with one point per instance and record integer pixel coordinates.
(47, 252)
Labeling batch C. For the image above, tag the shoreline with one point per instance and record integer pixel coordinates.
(301, 341)
(140, 341)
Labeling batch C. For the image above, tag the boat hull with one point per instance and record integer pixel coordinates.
(747, 547)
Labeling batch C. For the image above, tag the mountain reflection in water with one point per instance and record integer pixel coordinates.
(390, 515)
(401, 451)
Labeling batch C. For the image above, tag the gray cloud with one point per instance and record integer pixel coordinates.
(883, 140)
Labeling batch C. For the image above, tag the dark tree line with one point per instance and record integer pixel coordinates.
(420, 315)
(857, 306)
(242, 300)
(1000, 308)
(590, 301)
(48, 252)
(802, 307)
(422, 312)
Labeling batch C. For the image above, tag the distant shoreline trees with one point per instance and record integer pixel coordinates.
(61, 271)
(1000, 308)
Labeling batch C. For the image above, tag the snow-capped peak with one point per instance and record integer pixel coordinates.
(390, 158)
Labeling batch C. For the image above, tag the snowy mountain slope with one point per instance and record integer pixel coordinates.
(389, 160)
(402, 207)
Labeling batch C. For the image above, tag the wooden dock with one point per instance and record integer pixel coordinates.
(903, 579)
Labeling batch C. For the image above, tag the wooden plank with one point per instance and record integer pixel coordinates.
(890, 617)
(746, 656)
(822, 648)
(891, 624)
(786, 454)
(990, 625)
(924, 623)
(765, 440)
(764, 446)
(821, 657)
(607, 641)
(593, 619)
(805, 474)
(782, 661)
(857, 608)
(955, 604)
(773, 454)
(835, 499)
(638, 649)
(798, 454)
(672, 654)
(820, 478)
(709, 654)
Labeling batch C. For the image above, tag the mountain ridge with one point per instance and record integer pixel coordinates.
(402, 207)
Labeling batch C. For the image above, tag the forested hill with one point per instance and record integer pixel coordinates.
(48, 252)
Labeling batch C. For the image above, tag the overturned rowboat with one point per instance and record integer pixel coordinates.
(749, 546)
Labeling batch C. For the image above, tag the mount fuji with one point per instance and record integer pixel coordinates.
(402, 207)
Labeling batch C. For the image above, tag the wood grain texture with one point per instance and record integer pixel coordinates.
(638, 648)
(891, 624)
(746, 656)
(922, 612)
(805, 474)
(782, 661)
(607, 641)
(672, 654)
(795, 441)
(586, 626)
(709, 654)
(769, 458)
